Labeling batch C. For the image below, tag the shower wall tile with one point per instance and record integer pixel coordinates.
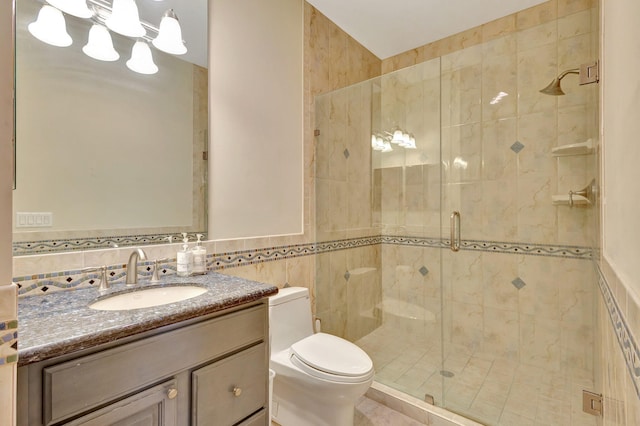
(498, 270)
(536, 68)
(499, 28)
(465, 105)
(498, 161)
(574, 24)
(537, 132)
(537, 15)
(466, 144)
(538, 36)
(500, 210)
(499, 86)
(568, 7)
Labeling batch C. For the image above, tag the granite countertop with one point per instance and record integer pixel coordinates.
(61, 323)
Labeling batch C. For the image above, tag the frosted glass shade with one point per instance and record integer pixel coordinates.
(100, 45)
(72, 7)
(397, 137)
(125, 19)
(169, 38)
(141, 59)
(50, 27)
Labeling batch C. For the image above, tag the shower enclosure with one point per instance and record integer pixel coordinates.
(447, 246)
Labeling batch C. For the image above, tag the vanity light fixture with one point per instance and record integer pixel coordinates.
(125, 19)
(72, 7)
(50, 27)
(383, 141)
(100, 45)
(141, 60)
(169, 38)
(121, 17)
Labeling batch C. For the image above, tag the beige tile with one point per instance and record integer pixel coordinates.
(498, 28)
(537, 15)
(568, 7)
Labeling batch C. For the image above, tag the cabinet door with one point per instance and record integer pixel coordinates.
(230, 390)
(153, 407)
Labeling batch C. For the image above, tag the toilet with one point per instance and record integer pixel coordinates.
(318, 376)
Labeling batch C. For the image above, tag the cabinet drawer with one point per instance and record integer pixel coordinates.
(76, 386)
(229, 390)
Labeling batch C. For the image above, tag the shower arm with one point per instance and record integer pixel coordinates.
(571, 71)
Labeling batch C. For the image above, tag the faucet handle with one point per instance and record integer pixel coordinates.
(154, 276)
(104, 280)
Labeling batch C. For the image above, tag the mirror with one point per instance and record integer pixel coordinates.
(105, 156)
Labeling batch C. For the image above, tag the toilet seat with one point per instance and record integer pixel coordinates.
(332, 358)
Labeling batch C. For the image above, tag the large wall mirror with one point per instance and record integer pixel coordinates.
(107, 156)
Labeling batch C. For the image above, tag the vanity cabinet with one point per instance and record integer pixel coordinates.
(212, 371)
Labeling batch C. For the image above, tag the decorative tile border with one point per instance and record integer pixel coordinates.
(627, 343)
(571, 252)
(76, 279)
(9, 342)
(60, 245)
(67, 280)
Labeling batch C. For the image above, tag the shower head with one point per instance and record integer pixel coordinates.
(554, 88)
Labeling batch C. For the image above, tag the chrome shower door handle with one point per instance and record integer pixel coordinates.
(455, 231)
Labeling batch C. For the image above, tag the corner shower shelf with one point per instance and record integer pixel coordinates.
(581, 148)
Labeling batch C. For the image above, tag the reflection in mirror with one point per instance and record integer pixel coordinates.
(107, 156)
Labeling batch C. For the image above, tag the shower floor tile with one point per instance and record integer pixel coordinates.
(480, 386)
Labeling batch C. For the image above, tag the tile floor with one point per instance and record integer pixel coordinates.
(489, 390)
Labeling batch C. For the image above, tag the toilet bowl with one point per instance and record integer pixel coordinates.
(319, 376)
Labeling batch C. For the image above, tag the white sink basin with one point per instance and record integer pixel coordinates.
(148, 297)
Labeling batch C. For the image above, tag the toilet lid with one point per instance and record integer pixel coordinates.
(333, 355)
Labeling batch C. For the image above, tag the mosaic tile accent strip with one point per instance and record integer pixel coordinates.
(75, 279)
(628, 345)
(571, 252)
(52, 246)
(67, 280)
(9, 342)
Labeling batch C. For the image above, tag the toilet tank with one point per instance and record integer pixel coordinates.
(289, 317)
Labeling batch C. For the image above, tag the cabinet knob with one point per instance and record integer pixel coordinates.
(172, 393)
(236, 391)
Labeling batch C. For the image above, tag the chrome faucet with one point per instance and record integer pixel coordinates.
(132, 266)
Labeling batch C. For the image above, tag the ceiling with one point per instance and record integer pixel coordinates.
(385, 27)
(390, 27)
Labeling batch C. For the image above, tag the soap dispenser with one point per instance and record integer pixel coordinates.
(185, 258)
(199, 257)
